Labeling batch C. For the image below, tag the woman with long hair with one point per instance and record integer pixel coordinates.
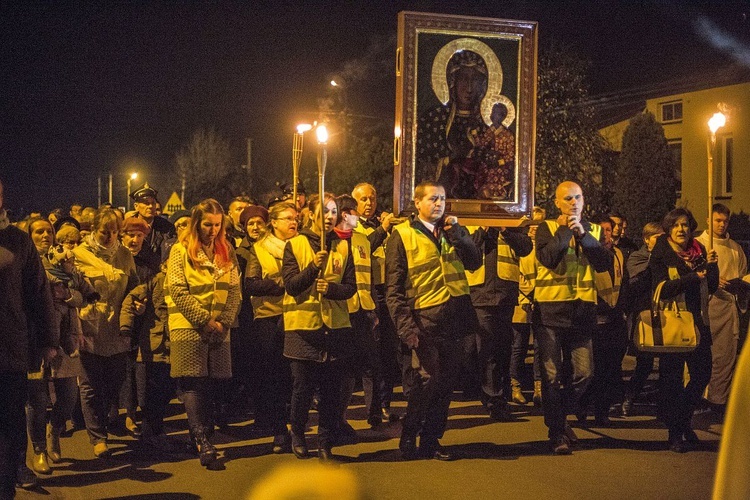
(109, 266)
(203, 300)
(690, 274)
(265, 288)
(317, 331)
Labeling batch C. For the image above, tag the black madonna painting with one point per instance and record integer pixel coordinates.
(465, 112)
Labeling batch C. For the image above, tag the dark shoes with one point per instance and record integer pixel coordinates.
(408, 447)
(560, 445)
(433, 450)
(299, 446)
(325, 454)
(281, 443)
(206, 451)
(389, 416)
(501, 413)
(25, 478)
(570, 435)
(374, 421)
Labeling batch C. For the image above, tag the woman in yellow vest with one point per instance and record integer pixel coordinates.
(203, 301)
(688, 271)
(317, 336)
(265, 288)
(363, 317)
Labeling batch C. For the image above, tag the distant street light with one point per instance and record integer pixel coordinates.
(297, 157)
(717, 121)
(322, 133)
(131, 178)
(334, 84)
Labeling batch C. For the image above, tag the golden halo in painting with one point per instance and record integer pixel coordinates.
(494, 78)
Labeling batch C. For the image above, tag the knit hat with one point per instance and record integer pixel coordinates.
(179, 214)
(57, 254)
(135, 224)
(253, 211)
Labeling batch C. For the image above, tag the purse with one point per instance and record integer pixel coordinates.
(667, 329)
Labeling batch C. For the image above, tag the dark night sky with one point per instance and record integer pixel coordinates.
(90, 89)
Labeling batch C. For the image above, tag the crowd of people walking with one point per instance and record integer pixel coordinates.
(285, 307)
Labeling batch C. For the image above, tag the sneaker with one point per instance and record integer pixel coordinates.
(560, 445)
(101, 450)
(25, 478)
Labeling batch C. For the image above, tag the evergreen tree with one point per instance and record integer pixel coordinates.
(568, 145)
(645, 185)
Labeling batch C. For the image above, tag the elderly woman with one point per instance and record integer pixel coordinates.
(265, 289)
(317, 331)
(110, 268)
(690, 274)
(203, 300)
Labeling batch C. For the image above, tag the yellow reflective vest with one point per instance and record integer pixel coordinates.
(265, 306)
(377, 262)
(310, 310)
(434, 276)
(572, 279)
(608, 289)
(211, 294)
(507, 262)
(363, 271)
(526, 282)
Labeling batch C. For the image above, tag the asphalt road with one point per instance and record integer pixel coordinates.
(629, 460)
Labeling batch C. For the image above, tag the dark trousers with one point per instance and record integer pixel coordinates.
(561, 388)
(387, 343)
(274, 375)
(366, 363)
(327, 378)
(494, 340)
(609, 344)
(429, 373)
(159, 392)
(66, 390)
(521, 335)
(100, 385)
(13, 393)
(133, 389)
(644, 364)
(677, 401)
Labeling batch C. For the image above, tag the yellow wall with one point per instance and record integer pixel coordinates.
(697, 108)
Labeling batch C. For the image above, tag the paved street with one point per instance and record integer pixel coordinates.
(495, 460)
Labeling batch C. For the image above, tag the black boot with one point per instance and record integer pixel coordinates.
(206, 451)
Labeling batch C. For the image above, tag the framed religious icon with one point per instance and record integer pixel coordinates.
(465, 114)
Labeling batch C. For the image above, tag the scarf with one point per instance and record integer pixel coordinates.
(692, 256)
(343, 234)
(273, 245)
(4, 220)
(99, 249)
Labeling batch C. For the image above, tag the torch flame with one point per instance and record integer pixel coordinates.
(322, 134)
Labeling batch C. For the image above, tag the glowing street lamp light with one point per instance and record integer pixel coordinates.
(322, 134)
(717, 121)
(131, 178)
(297, 157)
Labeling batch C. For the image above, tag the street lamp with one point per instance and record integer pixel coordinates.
(717, 121)
(322, 133)
(131, 178)
(297, 157)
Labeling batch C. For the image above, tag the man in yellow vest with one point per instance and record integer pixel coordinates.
(610, 339)
(569, 254)
(376, 225)
(428, 298)
(494, 295)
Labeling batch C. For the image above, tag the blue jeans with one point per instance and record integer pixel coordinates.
(567, 362)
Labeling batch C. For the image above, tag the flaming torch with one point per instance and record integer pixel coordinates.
(297, 157)
(715, 123)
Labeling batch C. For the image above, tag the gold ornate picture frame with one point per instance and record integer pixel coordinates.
(465, 114)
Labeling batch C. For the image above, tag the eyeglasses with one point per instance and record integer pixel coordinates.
(287, 219)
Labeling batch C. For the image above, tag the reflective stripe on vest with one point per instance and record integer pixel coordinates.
(507, 262)
(572, 279)
(607, 289)
(377, 263)
(267, 306)
(526, 282)
(309, 310)
(434, 277)
(211, 295)
(363, 271)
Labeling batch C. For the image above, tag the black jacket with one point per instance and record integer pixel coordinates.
(495, 291)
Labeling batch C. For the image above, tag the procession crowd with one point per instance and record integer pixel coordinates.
(287, 307)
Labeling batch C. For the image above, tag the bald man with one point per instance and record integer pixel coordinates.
(569, 252)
